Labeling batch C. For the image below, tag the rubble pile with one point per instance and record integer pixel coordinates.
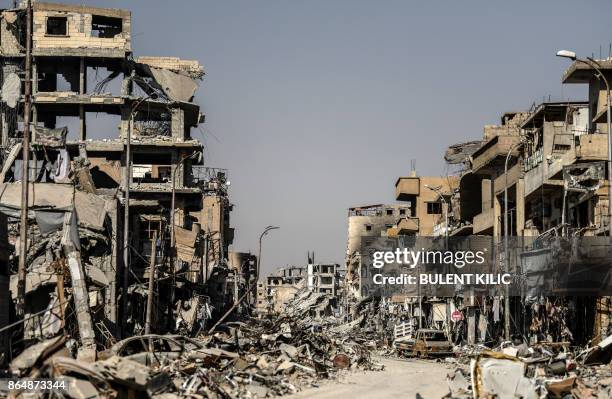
(544, 370)
(257, 358)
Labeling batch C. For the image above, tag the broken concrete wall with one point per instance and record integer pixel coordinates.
(190, 68)
(12, 33)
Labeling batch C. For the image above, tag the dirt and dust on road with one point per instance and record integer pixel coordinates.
(401, 378)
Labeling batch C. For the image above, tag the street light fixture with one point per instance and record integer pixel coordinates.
(264, 233)
(597, 66)
(566, 54)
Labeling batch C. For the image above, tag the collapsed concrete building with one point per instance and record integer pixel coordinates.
(282, 286)
(115, 174)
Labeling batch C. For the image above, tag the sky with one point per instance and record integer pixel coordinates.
(317, 106)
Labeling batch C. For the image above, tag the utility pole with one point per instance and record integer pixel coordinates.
(151, 284)
(23, 226)
(126, 222)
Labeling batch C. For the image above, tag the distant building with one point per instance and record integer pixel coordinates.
(324, 278)
(279, 289)
(367, 221)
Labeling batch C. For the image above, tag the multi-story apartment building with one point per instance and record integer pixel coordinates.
(106, 126)
(323, 278)
(551, 163)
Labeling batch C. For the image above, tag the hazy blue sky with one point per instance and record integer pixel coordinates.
(316, 106)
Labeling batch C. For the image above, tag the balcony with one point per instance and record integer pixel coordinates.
(492, 155)
(483, 222)
(408, 225)
(407, 188)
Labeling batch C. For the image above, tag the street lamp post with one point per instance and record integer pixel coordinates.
(595, 65)
(438, 191)
(264, 233)
(126, 209)
(506, 257)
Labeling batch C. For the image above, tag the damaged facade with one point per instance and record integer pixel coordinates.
(121, 207)
(550, 164)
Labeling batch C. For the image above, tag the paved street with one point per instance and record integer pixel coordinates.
(400, 379)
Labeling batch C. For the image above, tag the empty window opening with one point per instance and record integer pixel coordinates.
(389, 212)
(64, 85)
(105, 27)
(151, 121)
(402, 211)
(104, 81)
(51, 82)
(105, 168)
(151, 168)
(57, 26)
(368, 227)
(327, 280)
(101, 125)
(58, 75)
(434, 208)
(72, 123)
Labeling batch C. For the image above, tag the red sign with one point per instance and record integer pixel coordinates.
(457, 316)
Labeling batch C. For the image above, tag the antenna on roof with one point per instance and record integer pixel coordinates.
(413, 166)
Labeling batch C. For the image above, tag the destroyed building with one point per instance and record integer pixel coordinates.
(112, 161)
(367, 221)
(550, 162)
(280, 288)
(324, 278)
